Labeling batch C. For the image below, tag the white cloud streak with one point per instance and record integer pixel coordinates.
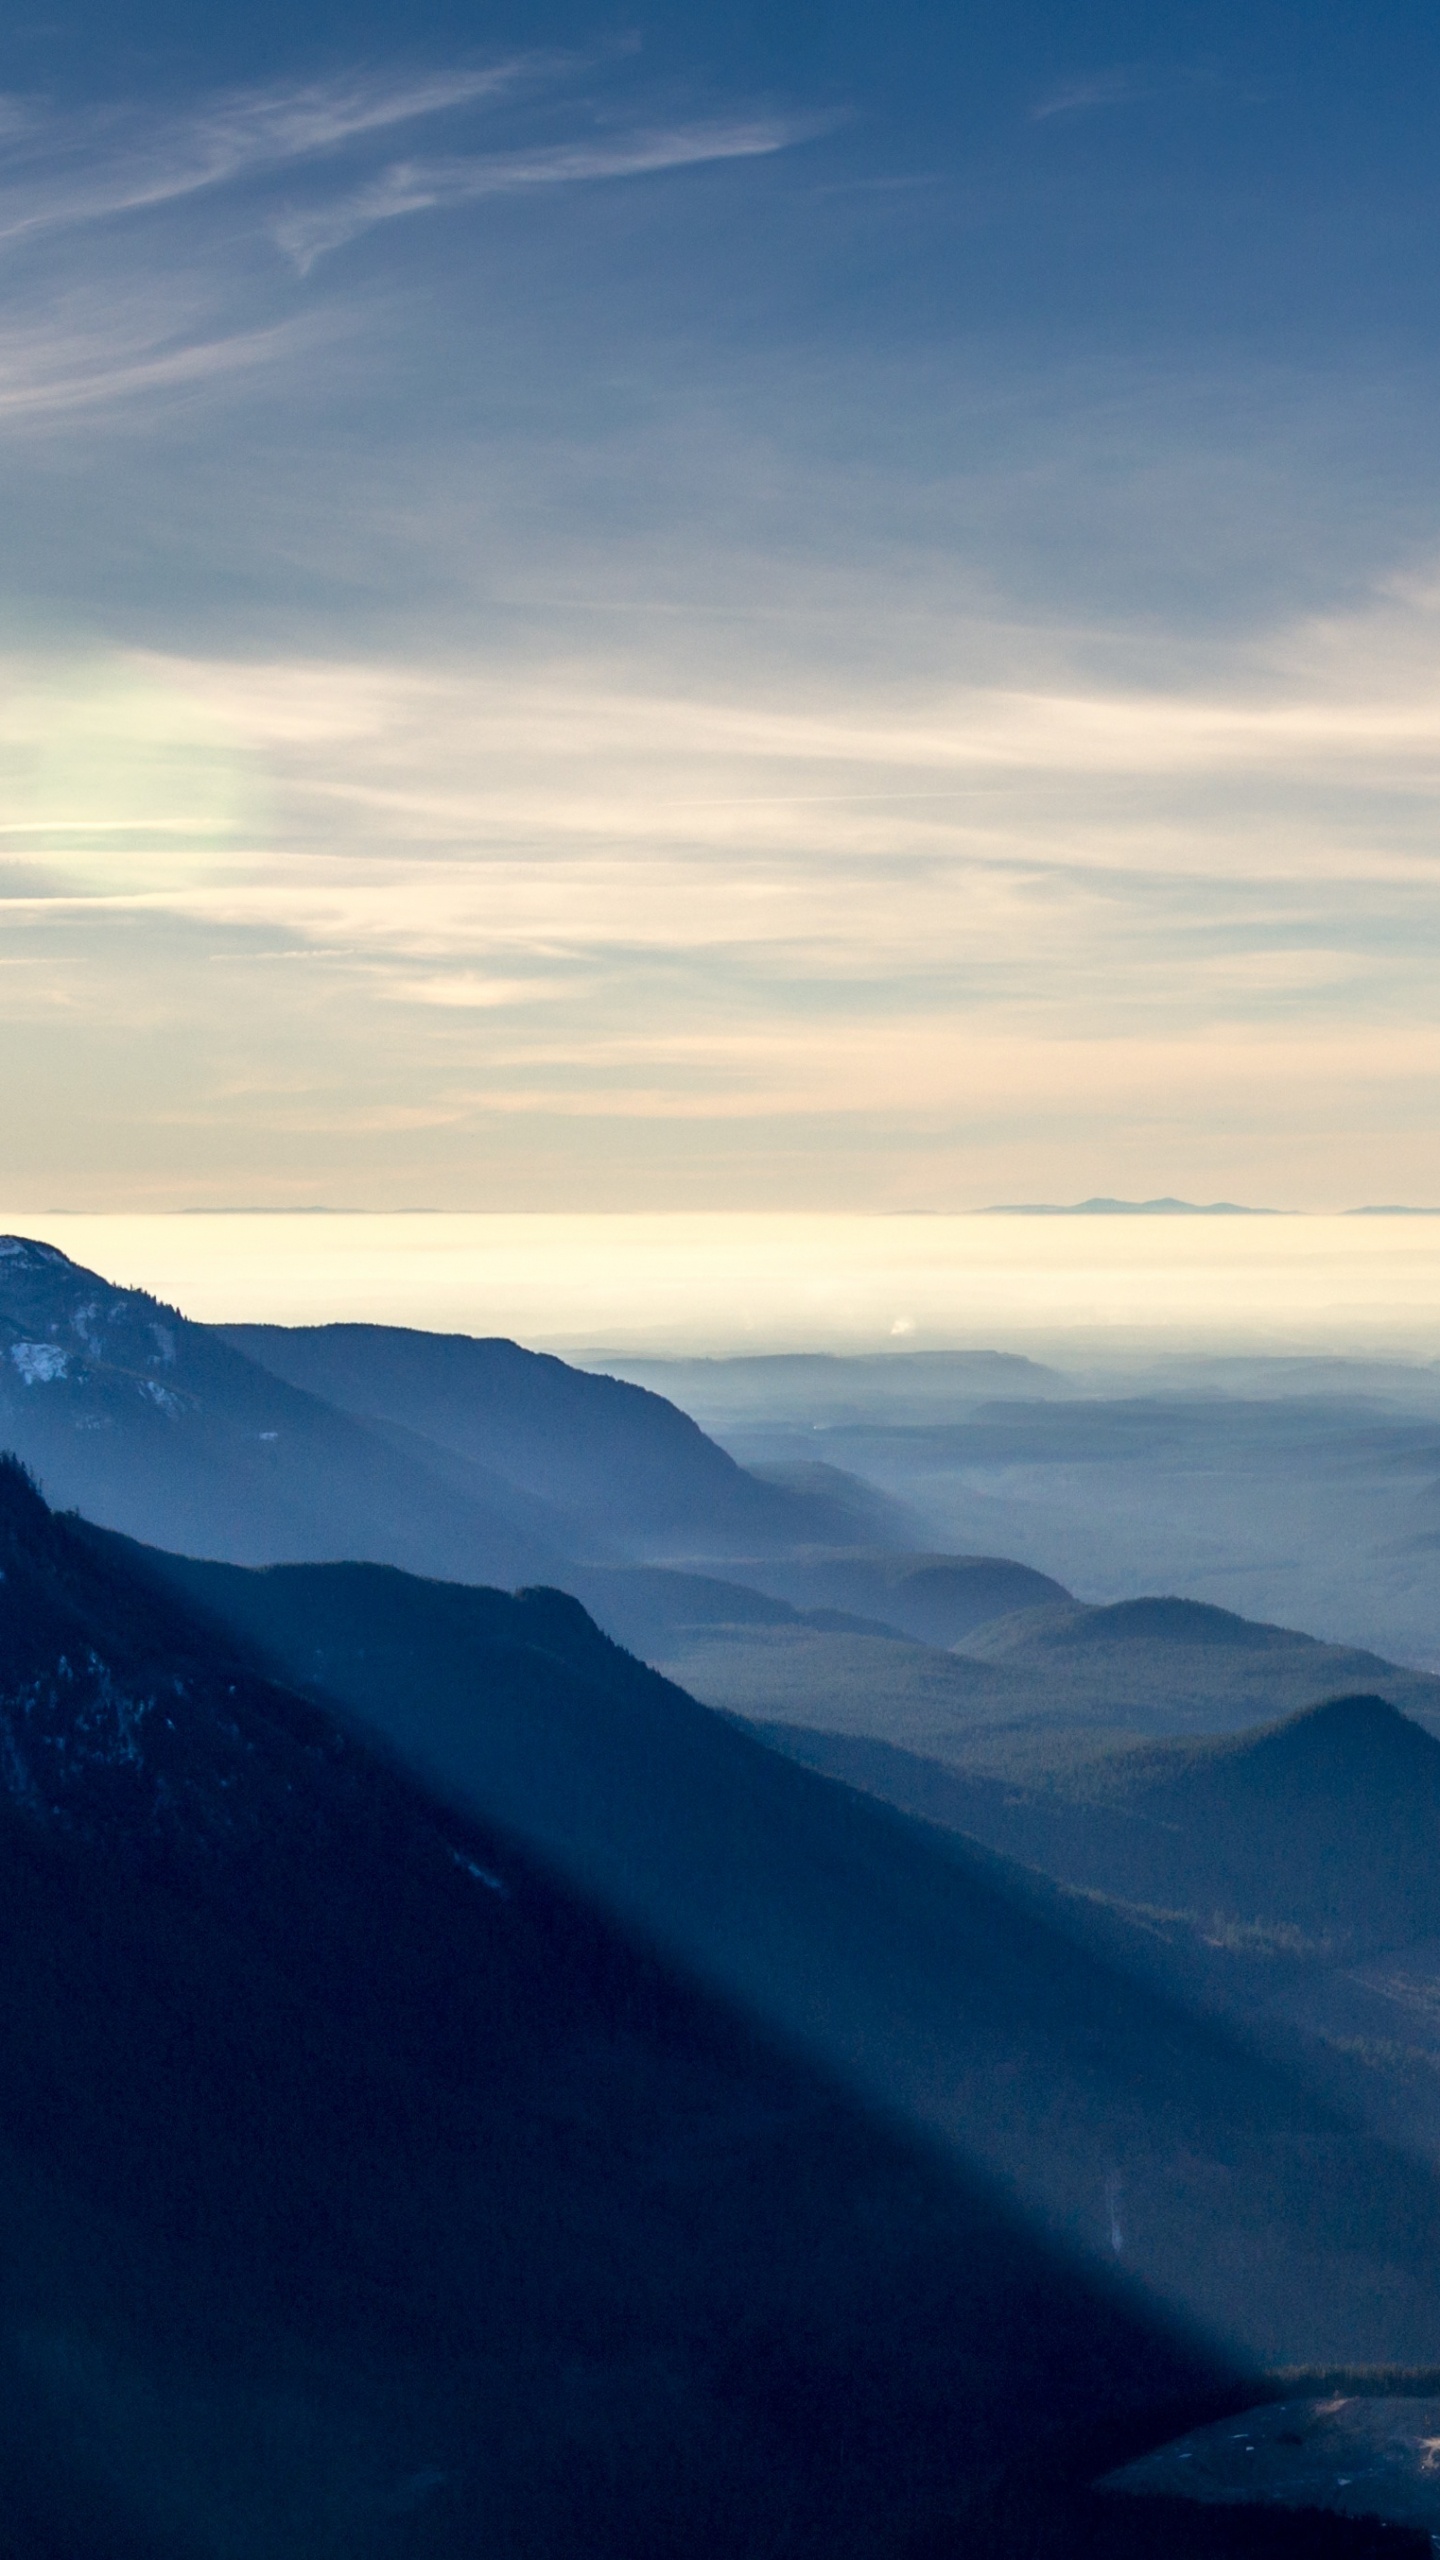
(84, 169)
(50, 371)
(74, 337)
(1122, 87)
(424, 186)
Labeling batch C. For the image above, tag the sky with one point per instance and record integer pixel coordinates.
(794, 608)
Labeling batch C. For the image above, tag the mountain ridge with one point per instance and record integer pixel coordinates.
(366, 2192)
(569, 1437)
(171, 1431)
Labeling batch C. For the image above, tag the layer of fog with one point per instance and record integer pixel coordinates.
(1299, 1489)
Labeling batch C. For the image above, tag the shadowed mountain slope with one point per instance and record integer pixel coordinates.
(615, 1459)
(367, 2196)
(947, 1985)
(1328, 1823)
(168, 1431)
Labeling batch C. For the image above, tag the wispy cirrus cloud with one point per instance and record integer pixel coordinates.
(96, 316)
(58, 171)
(423, 186)
(1126, 85)
(93, 316)
(49, 370)
(61, 172)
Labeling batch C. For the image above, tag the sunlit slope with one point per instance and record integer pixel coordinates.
(365, 2192)
(948, 1985)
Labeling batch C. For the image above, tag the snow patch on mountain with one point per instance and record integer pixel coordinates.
(39, 1363)
(27, 1253)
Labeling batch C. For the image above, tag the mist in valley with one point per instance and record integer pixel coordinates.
(1302, 1488)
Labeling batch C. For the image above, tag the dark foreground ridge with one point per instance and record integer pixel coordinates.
(366, 2192)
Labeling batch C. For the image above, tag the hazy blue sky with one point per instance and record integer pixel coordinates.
(805, 605)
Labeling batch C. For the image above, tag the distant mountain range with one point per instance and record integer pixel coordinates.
(489, 1464)
(1163, 1665)
(1300, 1490)
(1105, 1208)
(1168, 1207)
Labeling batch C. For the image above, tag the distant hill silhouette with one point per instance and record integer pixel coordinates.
(956, 1990)
(1102, 1207)
(650, 1609)
(365, 2191)
(1166, 1621)
(743, 1399)
(937, 1599)
(1148, 1620)
(929, 1599)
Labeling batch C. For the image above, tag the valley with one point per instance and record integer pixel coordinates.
(693, 1848)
